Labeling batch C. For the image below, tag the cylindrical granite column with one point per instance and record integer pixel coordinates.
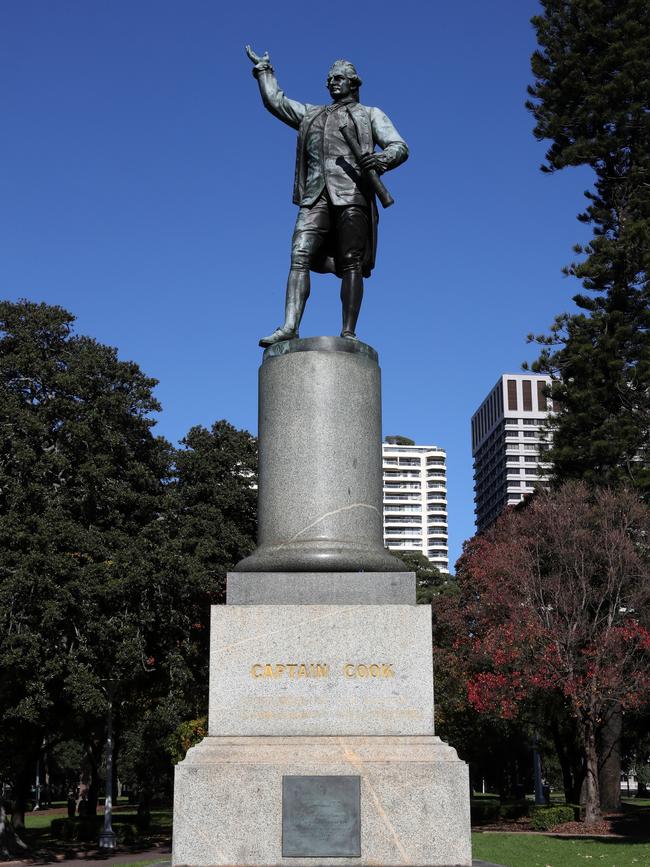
(320, 473)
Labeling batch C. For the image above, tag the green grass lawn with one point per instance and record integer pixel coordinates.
(161, 818)
(508, 849)
(45, 845)
(40, 820)
(637, 802)
(531, 850)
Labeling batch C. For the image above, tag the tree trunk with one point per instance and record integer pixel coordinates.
(93, 792)
(579, 774)
(565, 764)
(592, 794)
(10, 843)
(22, 791)
(571, 765)
(89, 780)
(609, 778)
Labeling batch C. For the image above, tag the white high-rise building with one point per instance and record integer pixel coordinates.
(415, 501)
(509, 439)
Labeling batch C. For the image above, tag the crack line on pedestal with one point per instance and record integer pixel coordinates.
(322, 518)
(357, 762)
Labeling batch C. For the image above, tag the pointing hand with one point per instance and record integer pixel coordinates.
(254, 57)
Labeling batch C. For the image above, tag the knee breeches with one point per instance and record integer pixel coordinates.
(345, 227)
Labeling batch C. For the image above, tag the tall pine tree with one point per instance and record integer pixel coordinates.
(591, 98)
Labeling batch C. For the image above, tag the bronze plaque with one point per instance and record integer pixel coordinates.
(321, 817)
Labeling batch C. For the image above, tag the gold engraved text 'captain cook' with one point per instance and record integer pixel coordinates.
(295, 670)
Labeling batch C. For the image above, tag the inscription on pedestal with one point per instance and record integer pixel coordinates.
(321, 817)
(321, 670)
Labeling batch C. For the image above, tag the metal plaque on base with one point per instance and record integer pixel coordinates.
(321, 817)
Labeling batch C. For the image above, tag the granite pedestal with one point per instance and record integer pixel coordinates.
(320, 475)
(228, 799)
(321, 662)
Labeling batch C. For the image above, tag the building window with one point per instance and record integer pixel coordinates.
(512, 394)
(542, 400)
(527, 392)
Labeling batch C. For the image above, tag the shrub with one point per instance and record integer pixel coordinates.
(547, 818)
(126, 832)
(186, 735)
(76, 830)
(515, 810)
(485, 811)
(88, 828)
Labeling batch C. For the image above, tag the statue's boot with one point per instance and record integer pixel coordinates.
(297, 294)
(351, 298)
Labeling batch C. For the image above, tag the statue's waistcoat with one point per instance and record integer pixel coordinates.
(337, 168)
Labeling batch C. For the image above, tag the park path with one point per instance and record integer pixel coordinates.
(162, 856)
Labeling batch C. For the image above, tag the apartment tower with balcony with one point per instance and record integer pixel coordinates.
(510, 435)
(415, 501)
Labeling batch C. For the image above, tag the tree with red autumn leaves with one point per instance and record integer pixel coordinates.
(553, 598)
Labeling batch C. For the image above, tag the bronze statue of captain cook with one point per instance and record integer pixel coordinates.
(336, 227)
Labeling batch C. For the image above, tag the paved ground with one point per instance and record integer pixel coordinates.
(152, 856)
(476, 863)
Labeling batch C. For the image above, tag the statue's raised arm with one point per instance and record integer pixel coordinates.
(288, 110)
(336, 228)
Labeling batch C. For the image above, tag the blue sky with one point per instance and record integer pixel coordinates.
(144, 188)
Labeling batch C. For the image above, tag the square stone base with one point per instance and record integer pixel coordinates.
(320, 670)
(414, 800)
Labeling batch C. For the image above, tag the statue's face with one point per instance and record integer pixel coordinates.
(339, 86)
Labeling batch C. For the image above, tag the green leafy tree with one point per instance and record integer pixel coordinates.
(399, 440)
(210, 524)
(112, 547)
(429, 580)
(591, 98)
(207, 525)
(80, 477)
(214, 500)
